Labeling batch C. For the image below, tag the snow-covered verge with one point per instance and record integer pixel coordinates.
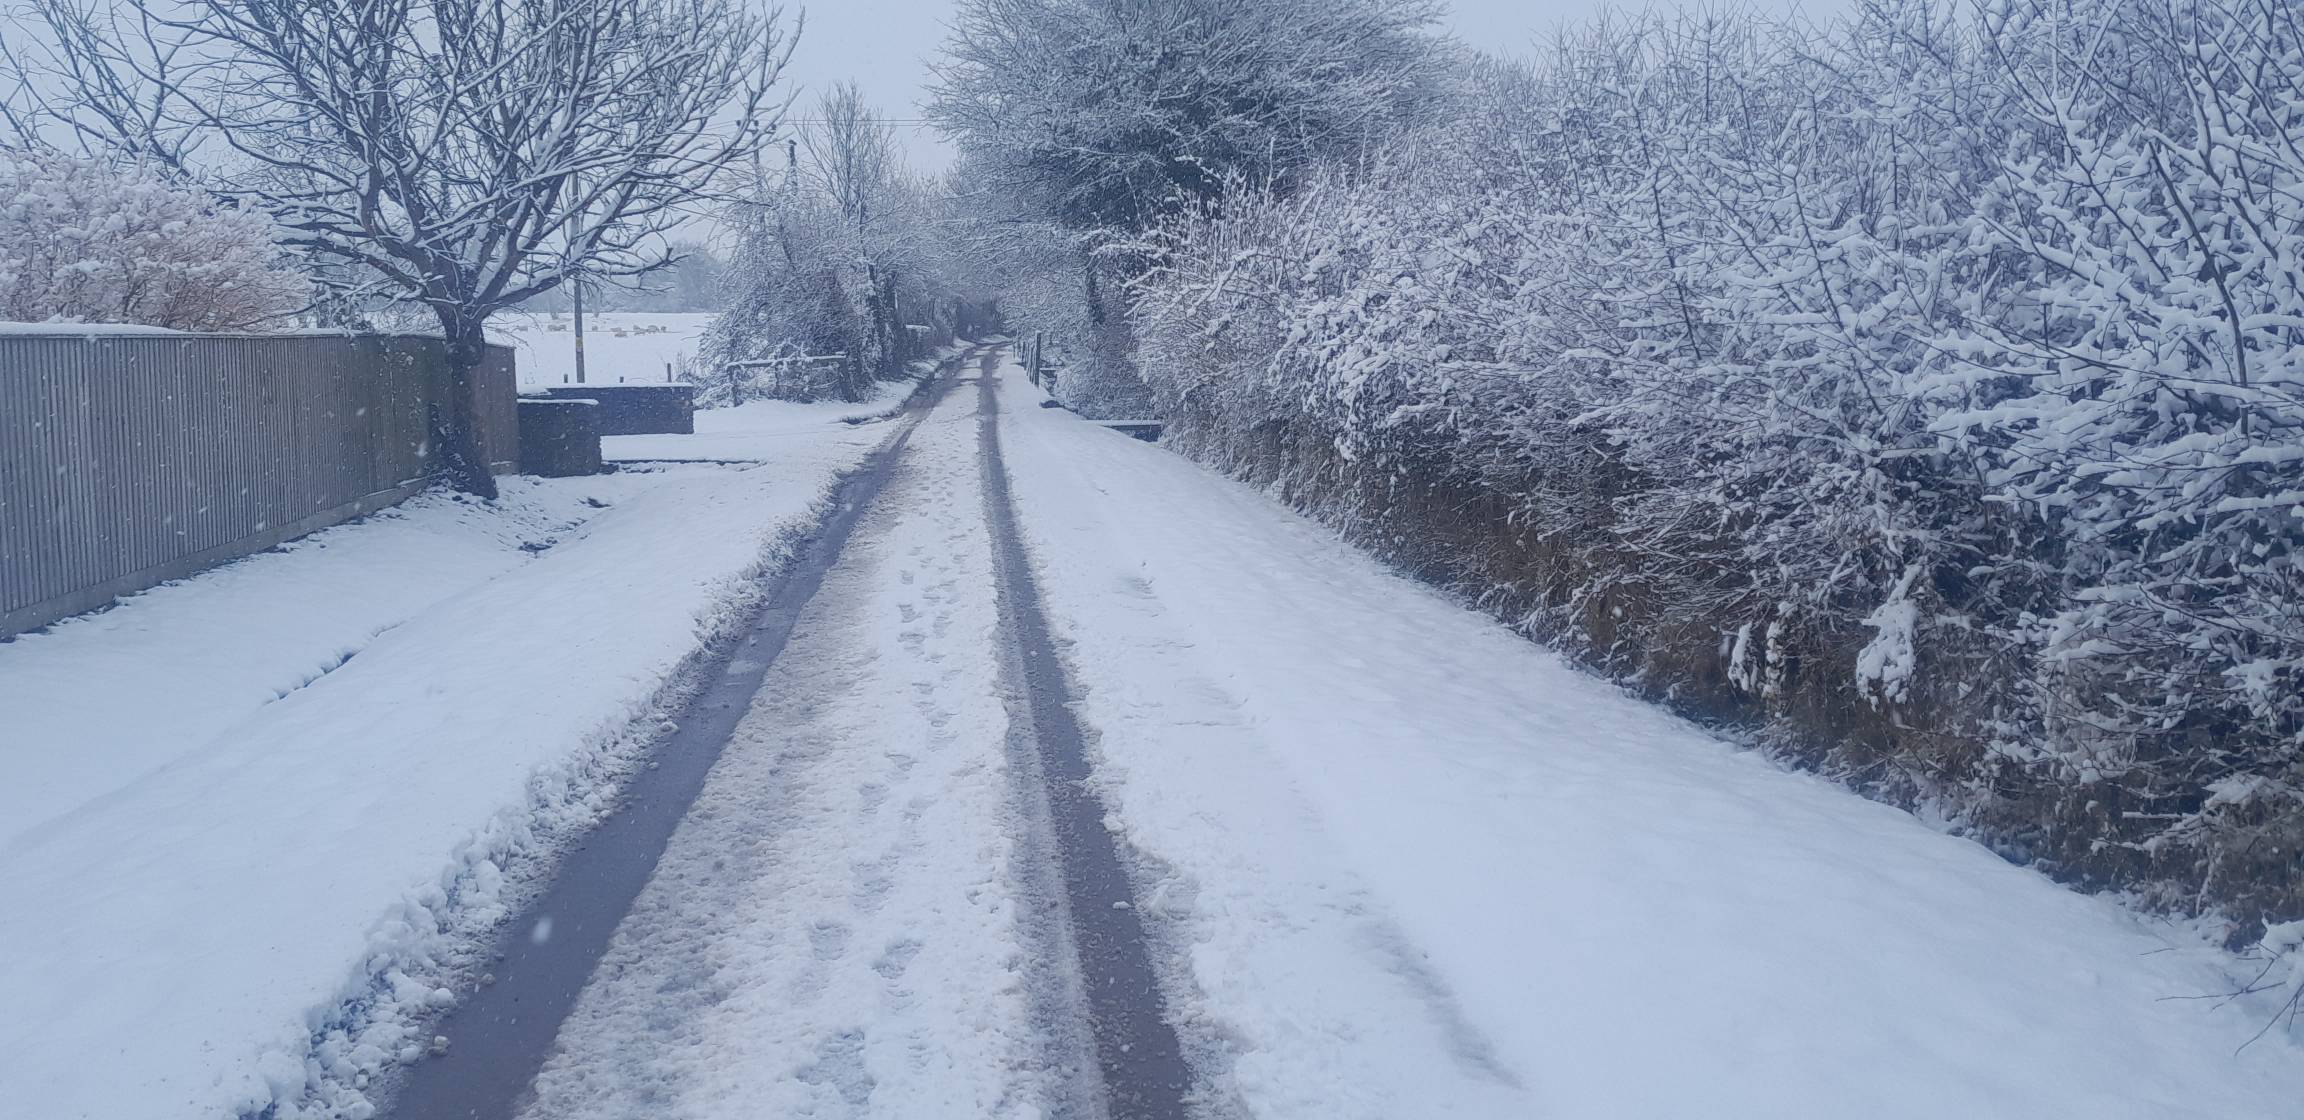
(1932, 403)
(1418, 866)
(243, 867)
(97, 702)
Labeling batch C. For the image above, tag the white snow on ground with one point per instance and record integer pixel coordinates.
(213, 869)
(832, 931)
(1405, 863)
(756, 428)
(101, 700)
(627, 347)
(1422, 867)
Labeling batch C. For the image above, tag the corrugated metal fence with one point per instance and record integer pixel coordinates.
(127, 459)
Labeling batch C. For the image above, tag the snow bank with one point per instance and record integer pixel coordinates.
(1417, 866)
(244, 872)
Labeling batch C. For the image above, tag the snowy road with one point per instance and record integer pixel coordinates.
(252, 823)
(874, 906)
(836, 929)
(1088, 783)
(1388, 860)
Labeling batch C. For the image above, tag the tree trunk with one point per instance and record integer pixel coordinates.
(454, 413)
(899, 345)
(1103, 383)
(868, 366)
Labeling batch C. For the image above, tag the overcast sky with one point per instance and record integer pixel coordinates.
(885, 46)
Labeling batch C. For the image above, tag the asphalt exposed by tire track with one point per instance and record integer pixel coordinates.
(502, 1033)
(1139, 1058)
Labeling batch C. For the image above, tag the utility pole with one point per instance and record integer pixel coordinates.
(576, 297)
(576, 286)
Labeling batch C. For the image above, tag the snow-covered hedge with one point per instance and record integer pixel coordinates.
(1930, 391)
(88, 240)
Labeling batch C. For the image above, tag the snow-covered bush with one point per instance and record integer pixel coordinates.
(97, 241)
(1926, 390)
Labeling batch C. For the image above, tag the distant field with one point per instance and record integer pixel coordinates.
(618, 346)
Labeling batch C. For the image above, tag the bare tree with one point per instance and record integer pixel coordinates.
(851, 152)
(836, 260)
(852, 155)
(460, 154)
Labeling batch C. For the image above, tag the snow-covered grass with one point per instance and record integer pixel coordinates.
(252, 817)
(1413, 865)
(619, 346)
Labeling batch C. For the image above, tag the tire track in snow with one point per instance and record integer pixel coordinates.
(771, 954)
(500, 1036)
(1139, 1059)
(833, 931)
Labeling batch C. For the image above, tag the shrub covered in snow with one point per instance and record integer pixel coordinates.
(1929, 389)
(96, 241)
